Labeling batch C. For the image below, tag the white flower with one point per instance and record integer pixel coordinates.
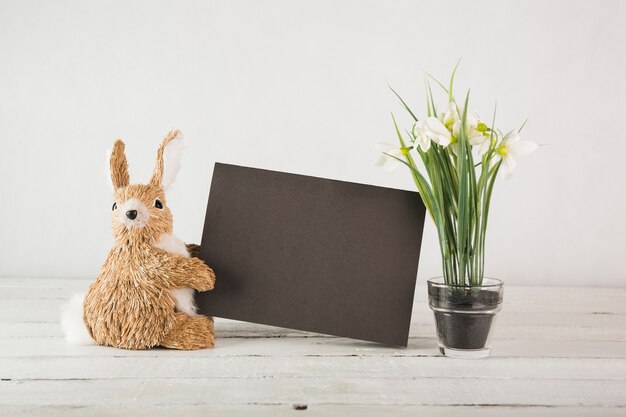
(450, 116)
(419, 130)
(385, 160)
(429, 130)
(471, 129)
(512, 146)
(475, 131)
(436, 131)
(479, 141)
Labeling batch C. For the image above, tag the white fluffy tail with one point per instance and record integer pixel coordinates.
(72, 322)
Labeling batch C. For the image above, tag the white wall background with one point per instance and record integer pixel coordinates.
(301, 86)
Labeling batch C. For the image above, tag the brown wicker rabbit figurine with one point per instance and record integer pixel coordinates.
(143, 296)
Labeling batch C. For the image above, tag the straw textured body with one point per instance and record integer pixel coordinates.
(131, 303)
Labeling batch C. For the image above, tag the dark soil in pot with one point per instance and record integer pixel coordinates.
(463, 331)
(464, 315)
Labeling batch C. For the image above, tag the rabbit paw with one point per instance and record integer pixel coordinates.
(207, 279)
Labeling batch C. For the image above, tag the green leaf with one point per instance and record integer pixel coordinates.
(450, 95)
(464, 218)
(437, 81)
(422, 186)
(432, 101)
(398, 131)
(522, 126)
(403, 103)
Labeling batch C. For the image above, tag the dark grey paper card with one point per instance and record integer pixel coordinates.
(312, 254)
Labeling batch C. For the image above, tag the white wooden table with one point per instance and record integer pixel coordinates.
(556, 352)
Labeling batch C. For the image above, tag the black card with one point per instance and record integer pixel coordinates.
(312, 254)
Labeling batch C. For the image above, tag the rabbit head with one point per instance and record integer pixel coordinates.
(140, 212)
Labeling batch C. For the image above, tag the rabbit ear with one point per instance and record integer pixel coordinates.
(168, 159)
(119, 166)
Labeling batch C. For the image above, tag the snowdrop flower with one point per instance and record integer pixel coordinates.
(482, 147)
(429, 130)
(476, 132)
(419, 132)
(510, 147)
(474, 129)
(479, 139)
(450, 116)
(386, 161)
(437, 132)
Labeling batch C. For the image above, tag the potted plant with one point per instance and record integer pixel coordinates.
(454, 157)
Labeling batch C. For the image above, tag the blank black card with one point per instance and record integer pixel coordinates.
(312, 254)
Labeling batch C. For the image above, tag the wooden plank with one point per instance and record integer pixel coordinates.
(400, 367)
(535, 332)
(320, 410)
(574, 326)
(334, 389)
(552, 333)
(291, 346)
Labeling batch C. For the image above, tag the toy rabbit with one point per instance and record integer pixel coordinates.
(143, 296)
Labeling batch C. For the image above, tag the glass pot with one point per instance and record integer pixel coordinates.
(465, 316)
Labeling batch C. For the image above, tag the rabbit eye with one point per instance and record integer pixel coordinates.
(114, 207)
(158, 204)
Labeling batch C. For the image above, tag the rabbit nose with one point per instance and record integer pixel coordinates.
(131, 214)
